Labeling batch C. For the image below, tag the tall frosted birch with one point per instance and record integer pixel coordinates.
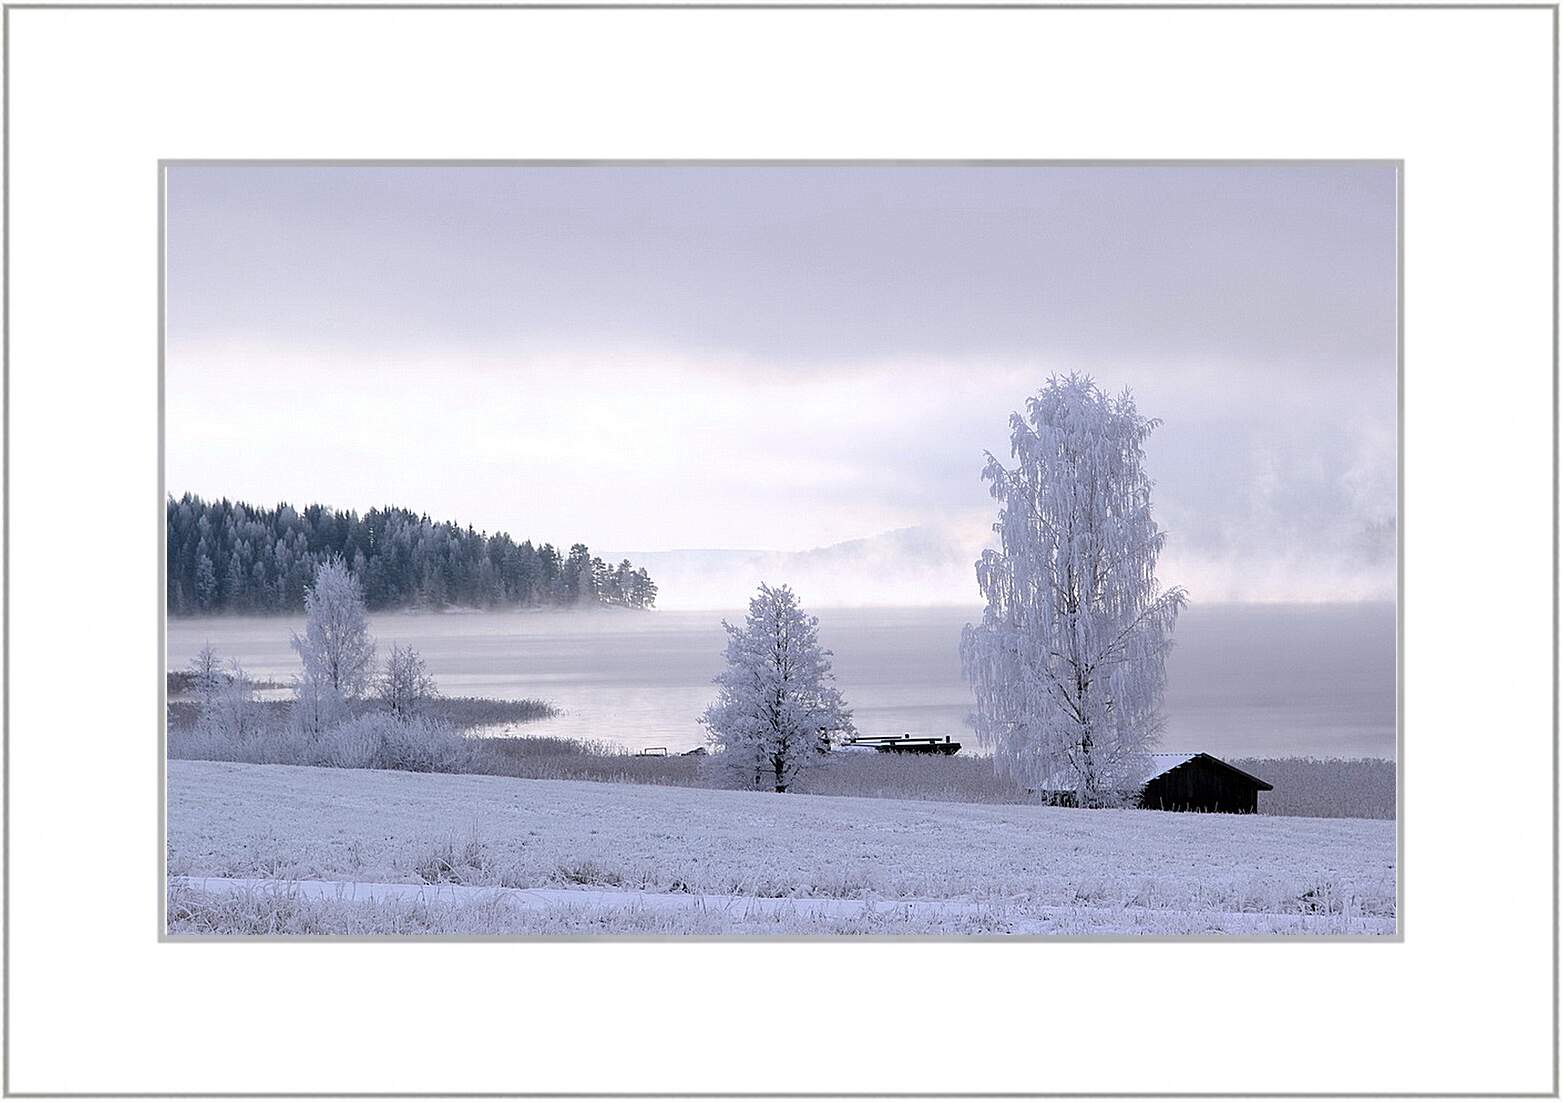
(1068, 663)
(336, 649)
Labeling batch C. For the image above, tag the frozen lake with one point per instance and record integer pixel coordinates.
(1270, 680)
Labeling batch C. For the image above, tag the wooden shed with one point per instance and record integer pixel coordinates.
(1199, 782)
(1180, 782)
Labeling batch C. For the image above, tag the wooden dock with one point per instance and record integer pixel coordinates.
(906, 744)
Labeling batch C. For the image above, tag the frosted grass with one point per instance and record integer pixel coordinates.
(1221, 872)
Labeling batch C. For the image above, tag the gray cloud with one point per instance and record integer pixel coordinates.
(1289, 264)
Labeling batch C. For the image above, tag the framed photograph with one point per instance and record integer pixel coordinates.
(975, 567)
(1037, 534)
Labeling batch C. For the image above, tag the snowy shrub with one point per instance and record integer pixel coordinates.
(228, 709)
(958, 779)
(369, 741)
(417, 745)
(229, 723)
(404, 685)
(566, 759)
(200, 744)
(1330, 788)
(316, 707)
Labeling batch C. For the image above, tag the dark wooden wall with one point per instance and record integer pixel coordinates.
(1199, 786)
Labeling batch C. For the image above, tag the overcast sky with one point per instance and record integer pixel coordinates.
(784, 358)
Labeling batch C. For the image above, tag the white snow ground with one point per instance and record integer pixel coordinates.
(354, 851)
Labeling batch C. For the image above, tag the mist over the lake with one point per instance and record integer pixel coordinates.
(1243, 680)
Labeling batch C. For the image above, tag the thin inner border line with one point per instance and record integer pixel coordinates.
(1398, 937)
(468, 5)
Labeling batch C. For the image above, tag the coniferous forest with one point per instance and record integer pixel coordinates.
(229, 556)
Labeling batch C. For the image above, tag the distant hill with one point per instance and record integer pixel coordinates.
(906, 566)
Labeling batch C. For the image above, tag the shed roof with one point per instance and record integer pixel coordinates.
(1161, 765)
(1166, 763)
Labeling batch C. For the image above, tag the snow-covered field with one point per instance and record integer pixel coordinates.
(291, 849)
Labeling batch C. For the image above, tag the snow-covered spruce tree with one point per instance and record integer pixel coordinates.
(336, 649)
(405, 685)
(1068, 664)
(777, 707)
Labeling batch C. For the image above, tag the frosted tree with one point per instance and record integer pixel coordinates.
(230, 709)
(1068, 663)
(777, 708)
(405, 685)
(316, 706)
(206, 673)
(336, 649)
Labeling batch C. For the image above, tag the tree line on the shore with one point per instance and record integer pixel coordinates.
(230, 556)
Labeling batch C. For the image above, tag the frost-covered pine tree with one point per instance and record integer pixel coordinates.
(1068, 663)
(405, 685)
(336, 649)
(777, 707)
